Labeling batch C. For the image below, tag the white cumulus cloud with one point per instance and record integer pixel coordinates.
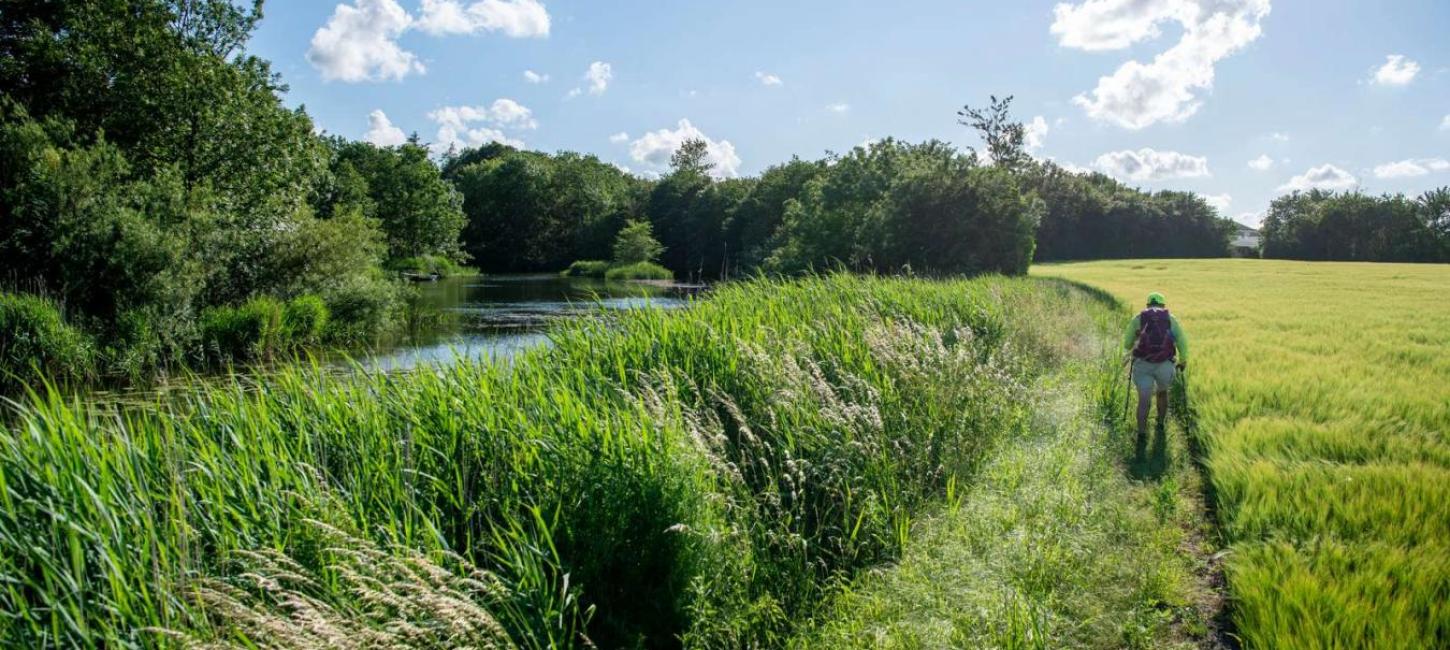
(1219, 202)
(382, 132)
(515, 18)
(596, 78)
(767, 79)
(1035, 133)
(1324, 177)
(619, 138)
(1411, 168)
(1397, 71)
(472, 126)
(1445, 123)
(1166, 89)
(359, 43)
(656, 147)
(1151, 165)
(839, 108)
(1263, 163)
(599, 76)
(535, 78)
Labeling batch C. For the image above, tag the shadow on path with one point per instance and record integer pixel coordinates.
(1150, 464)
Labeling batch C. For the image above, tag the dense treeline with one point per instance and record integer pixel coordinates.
(1092, 216)
(887, 207)
(1353, 226)
(165, 207)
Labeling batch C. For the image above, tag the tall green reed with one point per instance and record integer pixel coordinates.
(651, 479)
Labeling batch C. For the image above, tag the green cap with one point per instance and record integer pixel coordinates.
(1156, 298)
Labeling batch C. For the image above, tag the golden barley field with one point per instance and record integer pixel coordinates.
(1321, 398)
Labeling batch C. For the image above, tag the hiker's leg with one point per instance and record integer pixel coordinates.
(1162, 406)
(1145, 397)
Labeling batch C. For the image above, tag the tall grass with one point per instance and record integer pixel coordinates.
(1321, 394)
(688, 477)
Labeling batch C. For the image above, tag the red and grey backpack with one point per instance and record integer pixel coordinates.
(1155, 336)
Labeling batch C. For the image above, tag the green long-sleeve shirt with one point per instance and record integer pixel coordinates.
(1180, 340)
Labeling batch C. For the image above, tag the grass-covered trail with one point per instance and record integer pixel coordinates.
(1076, 535)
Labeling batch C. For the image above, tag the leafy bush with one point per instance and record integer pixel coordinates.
(428, 264)
(37, 344)
(250, 331)
(362, 308)
(636, 243)
(586, 269)
(639, 271)
(305, 319)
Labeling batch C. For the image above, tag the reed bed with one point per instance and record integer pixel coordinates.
(1321, 396)
(697, 477)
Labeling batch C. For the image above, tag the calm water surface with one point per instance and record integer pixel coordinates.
(499, 316)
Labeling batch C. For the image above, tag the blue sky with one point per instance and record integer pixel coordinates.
(1164, 94)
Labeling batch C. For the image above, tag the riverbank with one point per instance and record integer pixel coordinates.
(699, 475)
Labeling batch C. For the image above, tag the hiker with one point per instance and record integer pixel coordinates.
(1155, 339)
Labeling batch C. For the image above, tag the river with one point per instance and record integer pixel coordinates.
(499, 316)
(478, 317)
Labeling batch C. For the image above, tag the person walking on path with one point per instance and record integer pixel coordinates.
(1159, 348)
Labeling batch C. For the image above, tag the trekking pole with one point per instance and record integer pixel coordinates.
(1128, 393)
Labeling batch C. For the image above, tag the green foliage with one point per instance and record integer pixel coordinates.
(252, 330)
(1352, 226)
(427, 265)
(636, 243)
(1091, 216)
(587, 269)
(895, 206)
(148, 171)
(1005, 138)
(638, 271)
(697, 476)
(305, 319)
(36, 344)
(529, 211)
(263, 327)
(753, 225)
(420, 213)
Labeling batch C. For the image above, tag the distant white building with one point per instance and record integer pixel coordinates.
(1245, 242)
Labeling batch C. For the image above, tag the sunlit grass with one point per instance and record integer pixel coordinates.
(1322, 394)
(695, 476)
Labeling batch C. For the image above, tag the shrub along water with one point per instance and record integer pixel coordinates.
(639, 271)
(695, 476)
(37, 345)
(263, 327)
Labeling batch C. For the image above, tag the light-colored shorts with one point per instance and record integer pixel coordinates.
(1152, 377)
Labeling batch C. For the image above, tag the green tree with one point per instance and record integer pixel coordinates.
(1005, 138)
(636, 243)
(400, 187)
(529, 211)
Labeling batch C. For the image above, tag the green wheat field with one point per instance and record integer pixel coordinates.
(1321, 395)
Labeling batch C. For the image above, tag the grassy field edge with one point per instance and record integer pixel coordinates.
(1074, 535)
